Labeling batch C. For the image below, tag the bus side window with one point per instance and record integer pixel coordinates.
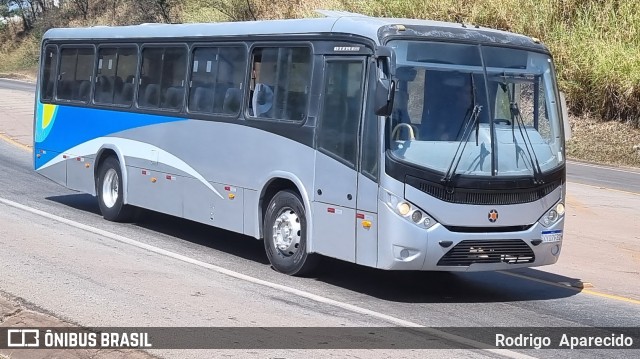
(216, 79)
(281, 84)
(49, 73)
(76, 71)
(162, 78)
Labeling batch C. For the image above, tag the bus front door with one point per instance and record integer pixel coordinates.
(336, 167)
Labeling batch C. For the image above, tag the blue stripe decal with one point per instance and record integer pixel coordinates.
(76, 125)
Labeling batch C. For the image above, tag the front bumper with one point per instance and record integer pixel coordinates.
(405, 246)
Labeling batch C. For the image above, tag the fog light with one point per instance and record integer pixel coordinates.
(404, 253)
(416, 216)
(404, 208)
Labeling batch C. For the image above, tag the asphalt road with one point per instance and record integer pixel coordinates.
(17, 85)
(55, 267)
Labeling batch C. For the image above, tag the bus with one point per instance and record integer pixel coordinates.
(398, 144)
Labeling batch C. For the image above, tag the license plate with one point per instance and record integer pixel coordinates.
(552, 236)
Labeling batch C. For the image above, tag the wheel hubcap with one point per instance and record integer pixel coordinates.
(287, 232)
(110, 188)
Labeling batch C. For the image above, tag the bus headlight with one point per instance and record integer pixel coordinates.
(407, 210)
(553, 215)
(403, 208)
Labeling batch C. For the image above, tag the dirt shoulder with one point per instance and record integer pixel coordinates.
(609, 143)
(15, 313)
(27, 76)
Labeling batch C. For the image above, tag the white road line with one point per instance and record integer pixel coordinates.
(300, 293)
(573, 163)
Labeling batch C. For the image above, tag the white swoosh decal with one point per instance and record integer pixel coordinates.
(131, 148)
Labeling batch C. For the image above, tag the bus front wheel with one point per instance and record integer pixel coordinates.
(110, 192)
(285, 235)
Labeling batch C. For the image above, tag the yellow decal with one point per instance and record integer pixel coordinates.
(47, 114)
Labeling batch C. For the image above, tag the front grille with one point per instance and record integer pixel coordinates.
(486, 197)
(461, 229)
(465, 253)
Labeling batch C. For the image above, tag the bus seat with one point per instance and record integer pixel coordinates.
(262, 100)
(219, 94)
(232, 100)
(126, 96)
(173, 97)
(202, 99)
(117, 83)
(65, 90)
(84, 91)
(150, 97)
(103, 90)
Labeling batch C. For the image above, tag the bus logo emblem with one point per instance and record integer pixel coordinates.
(493, 215)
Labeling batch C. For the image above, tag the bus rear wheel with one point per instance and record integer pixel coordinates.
(110, 192)
(285, 235)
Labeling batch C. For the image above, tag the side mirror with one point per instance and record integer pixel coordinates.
(565, 116)
(385, 87)
(385, 93)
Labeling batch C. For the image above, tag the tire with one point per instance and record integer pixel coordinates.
(110, 192)
(285, 225)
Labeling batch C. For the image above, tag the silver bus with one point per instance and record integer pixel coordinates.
(397, 144)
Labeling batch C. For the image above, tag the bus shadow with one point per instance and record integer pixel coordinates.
(525, 284)
(397, 286)
(83, 202)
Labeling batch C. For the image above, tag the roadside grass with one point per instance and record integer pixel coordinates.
(20, 57)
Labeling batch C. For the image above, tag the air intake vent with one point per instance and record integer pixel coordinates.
(483, 197)
(465, 253)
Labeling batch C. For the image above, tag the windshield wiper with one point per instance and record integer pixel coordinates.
(457, 157)
(533, 159)
(468, 125)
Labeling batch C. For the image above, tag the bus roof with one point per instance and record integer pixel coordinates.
(333, 22)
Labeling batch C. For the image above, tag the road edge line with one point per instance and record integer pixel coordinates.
(8, 139)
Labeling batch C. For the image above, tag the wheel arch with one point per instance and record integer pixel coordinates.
(278, 181)
(104, 152)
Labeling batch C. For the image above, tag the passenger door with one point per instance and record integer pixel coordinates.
(336, 171)
(367, 200)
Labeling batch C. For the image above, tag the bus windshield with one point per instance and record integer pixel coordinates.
(475, 110)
